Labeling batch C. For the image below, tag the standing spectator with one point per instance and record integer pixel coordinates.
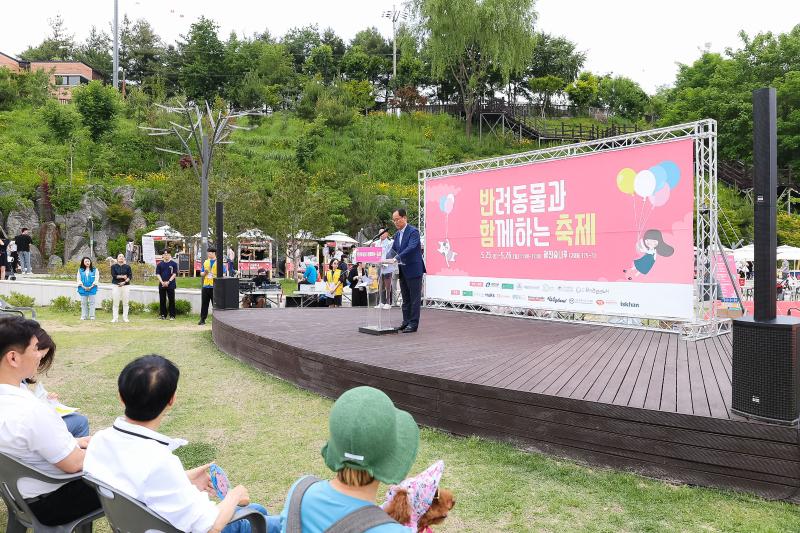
(359, 294)
(785, 270)
(129, 251)
(24, 241)
(231, 259)
(88, 278)
(387, 271)
(371, 441)
(3, 260)
(208, 272)
(334, 281)
(167, 271)
(12, 260)
(121, 275)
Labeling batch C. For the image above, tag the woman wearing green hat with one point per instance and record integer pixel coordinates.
(370, 441)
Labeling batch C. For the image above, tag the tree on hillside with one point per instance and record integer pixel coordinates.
(59, 46)
(320, 63)
(202, 71)
(336, 44)
(546, 87)
(300, 42)
(96, 52)
(64, 123)
(553, 56)
(98, 105)
(622, 96)
(144, 51)
(468, 39)
(583, 91)
(294, 206)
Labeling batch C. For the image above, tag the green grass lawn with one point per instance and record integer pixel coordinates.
(266, 432)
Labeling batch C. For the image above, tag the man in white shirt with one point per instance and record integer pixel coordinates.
(134, 458)
(32, 432)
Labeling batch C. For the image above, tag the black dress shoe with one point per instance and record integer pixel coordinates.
(408, 329)
(201, 323)
(401, 327)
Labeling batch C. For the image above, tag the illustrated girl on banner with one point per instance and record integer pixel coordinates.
(649, 189)
(651, 245)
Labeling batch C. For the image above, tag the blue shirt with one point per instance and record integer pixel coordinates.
(165, 270)
(323, 506)
(311, 274)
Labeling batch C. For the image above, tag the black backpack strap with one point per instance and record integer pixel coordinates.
(361, 520)
(293, 521)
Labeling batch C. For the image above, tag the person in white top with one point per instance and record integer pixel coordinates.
(387, 271)
(33, 433)
(134, 458)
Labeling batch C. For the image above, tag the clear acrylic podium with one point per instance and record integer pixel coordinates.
(377, 320)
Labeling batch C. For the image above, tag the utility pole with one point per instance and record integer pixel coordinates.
(395, 15)
(116, 44)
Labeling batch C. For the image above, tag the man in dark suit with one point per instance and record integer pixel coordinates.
(408, 252)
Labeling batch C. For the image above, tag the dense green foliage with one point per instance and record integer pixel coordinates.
(323, 148)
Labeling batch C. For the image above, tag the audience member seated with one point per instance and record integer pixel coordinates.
(32, 432)
(371, 441)
(134, 458)
(310, 275)
(261, 279)
(77, 424)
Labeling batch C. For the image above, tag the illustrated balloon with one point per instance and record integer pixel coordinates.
(661, 197)
(449, 202)
(442, 200)
(644, 184)
(661, 176)
(625, 180)
(673, 173)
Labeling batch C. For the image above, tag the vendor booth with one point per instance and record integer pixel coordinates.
(163, 238)
(254, 252)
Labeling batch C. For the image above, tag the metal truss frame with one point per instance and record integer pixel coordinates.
(705, 322)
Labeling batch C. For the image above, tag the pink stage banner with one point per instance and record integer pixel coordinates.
(370, 254)
(608, 232)
(725, 283)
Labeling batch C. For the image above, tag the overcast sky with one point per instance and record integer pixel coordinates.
(637, 38)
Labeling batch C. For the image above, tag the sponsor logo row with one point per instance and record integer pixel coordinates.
(559, 300)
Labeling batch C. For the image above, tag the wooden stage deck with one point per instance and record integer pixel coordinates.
(644, 401)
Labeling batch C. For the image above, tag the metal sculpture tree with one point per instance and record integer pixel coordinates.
(198, 141)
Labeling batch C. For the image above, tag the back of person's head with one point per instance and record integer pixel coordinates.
(146, 386)
(44, 342)
(370, 438)
(16, 333)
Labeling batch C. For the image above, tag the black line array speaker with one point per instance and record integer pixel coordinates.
(766, 373)
(226, 293)
(766, 379)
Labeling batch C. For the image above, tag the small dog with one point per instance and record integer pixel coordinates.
(418, 502)
(399, 508)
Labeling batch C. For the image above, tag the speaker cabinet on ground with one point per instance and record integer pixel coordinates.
(766, 374)
(226, 293)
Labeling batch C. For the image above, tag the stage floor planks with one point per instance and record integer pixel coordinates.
(639, 400)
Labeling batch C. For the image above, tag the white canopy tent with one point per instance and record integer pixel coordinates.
(164, 233)
(340, 238)
(745, 253)
(790, 253)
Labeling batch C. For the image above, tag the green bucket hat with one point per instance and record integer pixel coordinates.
(367, 432)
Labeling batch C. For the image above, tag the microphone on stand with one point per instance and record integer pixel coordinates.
(381, 232)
